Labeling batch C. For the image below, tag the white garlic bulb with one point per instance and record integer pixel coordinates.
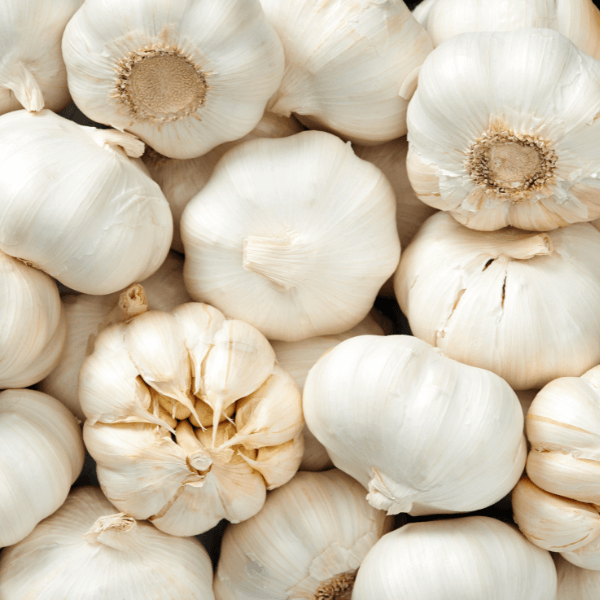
(294, 236)
(470, 558)
(73, 203)
(482, 298)
(32, 71)
(575, 582)
(87, 552)
(184, 76)
(423, 433)
(506, 137)
(42, 455)
(307, 542)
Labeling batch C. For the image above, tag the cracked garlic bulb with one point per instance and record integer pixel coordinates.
(482, 298)
(189, 418)
(503, 131)
(184, 75)
(423, 433)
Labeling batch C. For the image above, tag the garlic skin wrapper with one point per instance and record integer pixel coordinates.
(87, 552)
(514, 141)
(211, 383)
(477, 297)
(42, 455)
(184, 76)
(423, 433)
(350, 67)
(181, 180)
(307, 541)
(470, 558)
(284, 231)
(87, 316)
(73, 204)
(574, 582)
(32, 71)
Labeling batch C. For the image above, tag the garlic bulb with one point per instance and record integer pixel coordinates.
(212, 383)
(87, 316)
(73, 203)
(471, 558)
(482, 298)
(181, 180)
(184, 76)
(42, 455)
(87, 552)
(284, 231)
(506, 137)
(307, 542)
(574, 582)
(423, 433)
(32, 71)
(350, 67)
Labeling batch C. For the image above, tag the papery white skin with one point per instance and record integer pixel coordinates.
(528, 82)
(283, 231)
(346, 64)
(478, 297)
(575, 582)
(423, 433)
(470, 558)
(32, 71)
(42, 455)
(230, 41)
(315, 527)
(87, 552)
(76, 206)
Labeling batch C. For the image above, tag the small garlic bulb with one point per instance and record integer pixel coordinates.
(574, 582)
(506, 137)
(307, 542)
(85, 551)
(184, 76)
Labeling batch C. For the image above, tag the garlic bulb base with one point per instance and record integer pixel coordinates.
(16, 77)
(337, 588)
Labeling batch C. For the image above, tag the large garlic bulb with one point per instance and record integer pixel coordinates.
(211, 383)
(183, 75)
(423, 433)
(503, 131)
(483, 298)
(294, 236)
(73, 203)
(87, 552)
(42, 455)
(575, 582)
(472, 558)
(307, 542)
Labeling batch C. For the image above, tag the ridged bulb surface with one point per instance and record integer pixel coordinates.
(575, 582)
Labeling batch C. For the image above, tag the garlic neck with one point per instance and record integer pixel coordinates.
(114, 531)
(132, 302)
(521, 246)
(16, 77)
(119, 141)
(338, 587)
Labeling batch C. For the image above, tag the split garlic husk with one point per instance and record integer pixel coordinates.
(307, 542)
(189, 418)
(73, 204)
(32, 71)
(574, 582)
(509, 136)
(42, 455)
(294, 236)
(470, 558)
(184, 76)
(423, 433)
(87, 552)
(87, 316)
(482, 298)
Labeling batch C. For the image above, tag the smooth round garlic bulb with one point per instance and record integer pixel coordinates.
(184, 75)
(307, 542)
(471, 558)
(87, 552)
(87, 316)
(32, 71)
(503, 131)
(189, 418)
(350, 67)
(73, 204)
(423, 433)
(42, 455)
(576, 583)
(294, 236)
(521, 304)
